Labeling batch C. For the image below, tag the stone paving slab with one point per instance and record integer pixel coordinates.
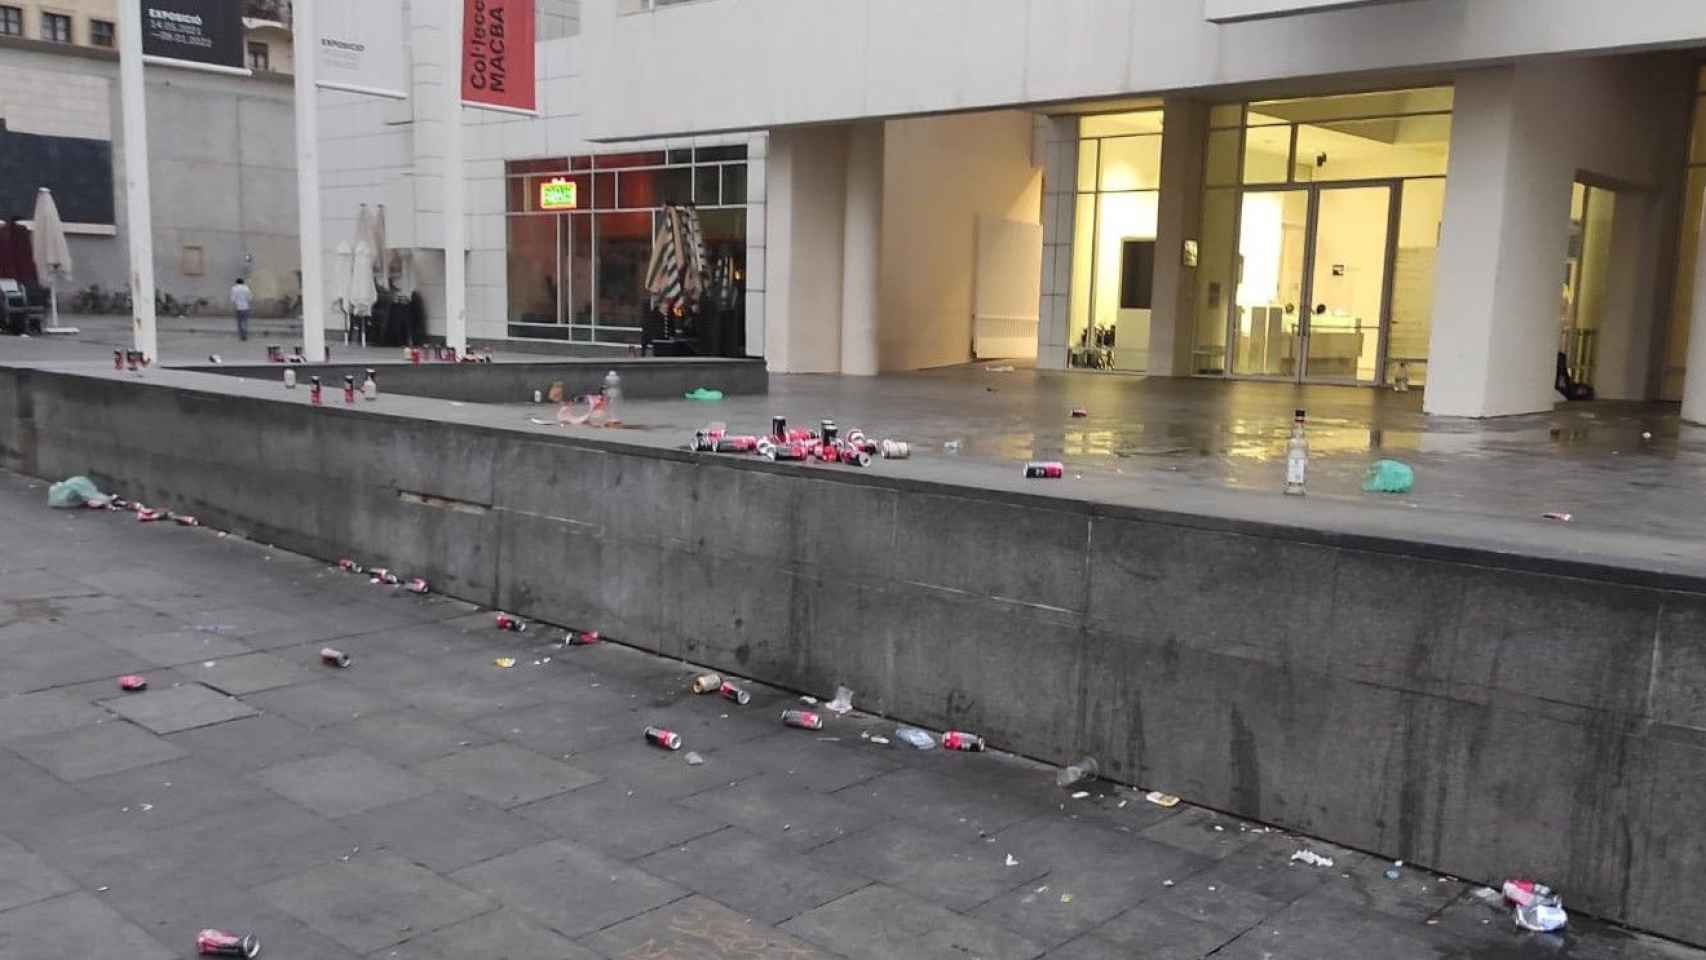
(424, 805)
(176, 709)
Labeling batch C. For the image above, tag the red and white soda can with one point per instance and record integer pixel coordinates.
(581, 638)
(1525, 893)
(793, 450)
(218, 943)
(729, 691)
(132, 683)
(118, 359)
(149, 516)
(959, 740)
(512, 624)
(386, 577)
(741, 444)
(185, 520)
(667, 739)
(350, 566)
(854, 456)
(334, 658)
(1044, 470)
(419, 586)
(804, 719)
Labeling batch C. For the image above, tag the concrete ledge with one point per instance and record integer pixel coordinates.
(515, 382)
(1477, 712)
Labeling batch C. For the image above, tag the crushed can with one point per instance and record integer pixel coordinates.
(419, 587)
(185, 520)
(581, 638)
(959, 740)
(857, 440)
(792, 451)
(1040, 470)
(706, 683)
(133, 683)
(854, 457)
(218, 943)
(146, 515)
(896, 450)
(667, 739)
(334, 658)
(512, 624)
(801, 435)
(729, 691)
(804, 719)
(350, 566)
(386, 577)
(741, 444)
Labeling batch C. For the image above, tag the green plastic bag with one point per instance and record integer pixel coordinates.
(1388, 476)
(704, 393)
(75, 492)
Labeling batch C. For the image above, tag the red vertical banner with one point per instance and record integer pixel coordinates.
(497, 55)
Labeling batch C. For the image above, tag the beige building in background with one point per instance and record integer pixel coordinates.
(94, 23)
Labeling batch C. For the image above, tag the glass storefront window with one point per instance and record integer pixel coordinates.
(579, 273)
(1088, 164)
(1113, 252)
(1120, 124)
(1387, 148)
(1131, 163)
(1267, 155)
(1083, 247)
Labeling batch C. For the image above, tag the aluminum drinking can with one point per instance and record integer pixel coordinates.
(131, 683)
(778, 428)
(386, 577)
(667, 739)
(896, 450)
(417, 585)
(349, 388)
(185, 520)
(801, 435)
(118, 359)
(349, 566)
(804, 719)
(706, 683)
(333, 658)
(731, 692)
(1039, 470)
(854, 457)
(149, 516)
(958, 740)
(512, 624)
(792, 450)
(581, 638)
(736, 445)
(218, 943)
(314, 390)
(828, 434)
(131, 359)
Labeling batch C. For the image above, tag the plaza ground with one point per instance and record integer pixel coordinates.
(425, 803)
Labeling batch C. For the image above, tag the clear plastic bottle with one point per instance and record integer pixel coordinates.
(370, 386)
(1080, 770)
(613, 397)
(1296, 458)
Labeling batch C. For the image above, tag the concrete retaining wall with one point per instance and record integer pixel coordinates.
(1443, 707)
(515, 382)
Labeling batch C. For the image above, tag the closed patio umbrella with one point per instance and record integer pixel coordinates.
(51, 252)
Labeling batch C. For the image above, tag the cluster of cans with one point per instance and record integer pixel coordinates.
(571, 638)
(145, 513)
(382, 575)
(132, 360)
(826, 444)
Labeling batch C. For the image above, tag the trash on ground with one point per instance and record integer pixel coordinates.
(843, 702)
(952, 446)
(76, 492)
(184, 519)
(667, 739)
(504, 663)
(350, 566)
(960, 740)
(419, 587)
(1489, 895)
(1079, 413)
(132, 683)
(1066, 898)
(1168, 883)
(1560, 517)
(149, 516)
(706, 683)
(334, 658)
(1081, 794)
(581, 638)
(809, 701)
(1543, 916)
(1012, 861)
(1388, 476)
(218, 943)
(1161, 799)
(1044, 470)
(804, 719)
(884, 741)
(915, 738)
(728, 691)
(1085, 768)
(704, 393)
(1311, 858)
(1003, 368)
(694, 759)
(1395, 871)
(513, 624)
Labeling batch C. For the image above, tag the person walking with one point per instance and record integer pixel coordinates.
(242, 301)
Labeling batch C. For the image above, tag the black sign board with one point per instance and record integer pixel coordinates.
(208, 32)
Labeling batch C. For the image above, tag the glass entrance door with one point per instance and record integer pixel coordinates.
(1349, 261)
(1314, 269)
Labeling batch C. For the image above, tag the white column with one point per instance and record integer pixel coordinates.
(140, 211)
(861, 252)
(1694, 386)
(309, 225)
(455, 188)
